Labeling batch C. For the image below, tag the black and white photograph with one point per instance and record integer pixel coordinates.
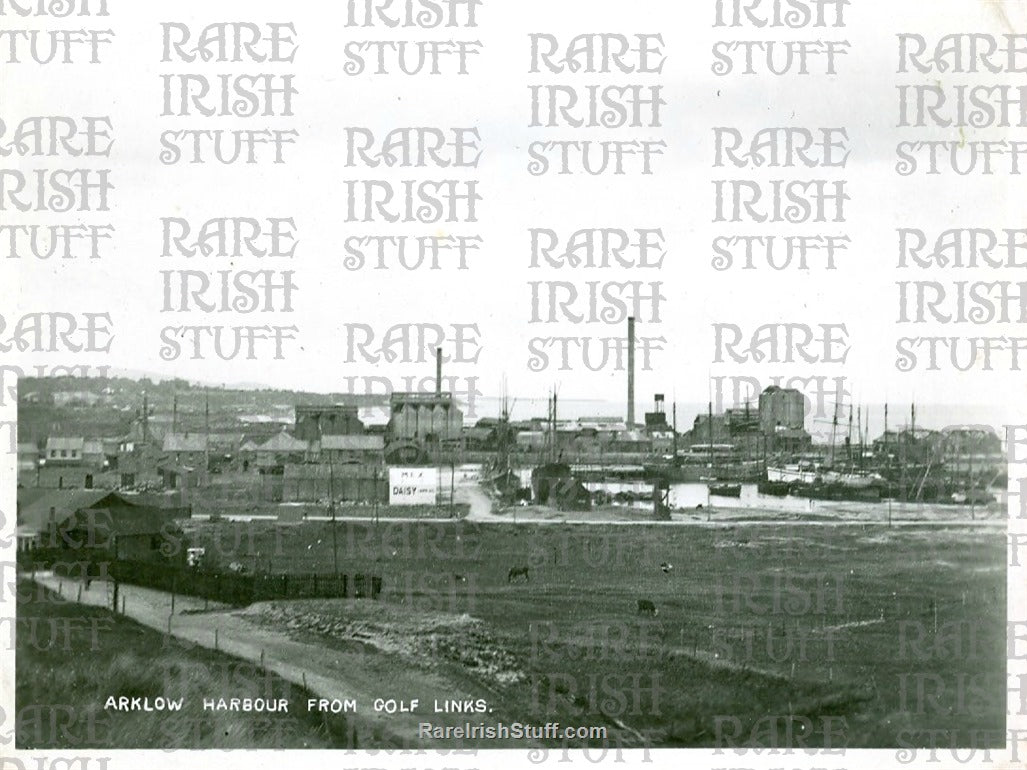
(461, 383)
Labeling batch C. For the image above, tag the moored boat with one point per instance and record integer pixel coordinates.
(726, 490)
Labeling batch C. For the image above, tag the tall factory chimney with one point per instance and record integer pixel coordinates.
(631, 373)
(438, 371)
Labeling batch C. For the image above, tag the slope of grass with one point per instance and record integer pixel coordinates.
(70, 658)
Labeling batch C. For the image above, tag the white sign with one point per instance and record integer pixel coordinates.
(413, 486)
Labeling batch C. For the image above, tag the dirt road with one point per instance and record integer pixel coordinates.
(327, 672)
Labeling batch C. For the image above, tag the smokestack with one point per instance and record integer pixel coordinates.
(438, 371)
(631, 373)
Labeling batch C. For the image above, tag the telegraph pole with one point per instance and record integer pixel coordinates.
(452, 485)
(331, 508)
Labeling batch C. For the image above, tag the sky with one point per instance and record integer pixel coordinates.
(492, 298)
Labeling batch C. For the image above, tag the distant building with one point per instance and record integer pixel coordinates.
(281, 449)
(42, 511)
(101, 521)
(137, 463)
(365, 450)
(318, 483)
(70, 463)
(119, 529)
(656, 420)
(62, 450)
(190, 449)
(782, 408)
(424, 417)
(481, 437)
(553, 484)
(313, 422)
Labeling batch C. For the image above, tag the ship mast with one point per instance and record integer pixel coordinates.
(848, 440)
(834, 430)
(709, 434)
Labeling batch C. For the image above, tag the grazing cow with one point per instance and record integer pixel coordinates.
(459, 578)
(666, 567)
(517, 572)
(646, 607)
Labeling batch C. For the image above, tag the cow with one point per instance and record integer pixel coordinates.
(666, 567)
(517, 572)
(459, 578)
(646, 607)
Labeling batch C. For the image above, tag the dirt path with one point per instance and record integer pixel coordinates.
(328, 673)
(481, 504)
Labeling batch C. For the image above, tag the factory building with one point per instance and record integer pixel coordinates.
(313, 422)
(424, 417)
(782, 409)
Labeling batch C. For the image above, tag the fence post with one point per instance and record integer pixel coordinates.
(215, 638)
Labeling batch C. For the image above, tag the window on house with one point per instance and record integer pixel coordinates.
(64, 453)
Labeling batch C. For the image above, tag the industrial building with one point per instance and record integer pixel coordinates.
(313, 422)
(428, 418)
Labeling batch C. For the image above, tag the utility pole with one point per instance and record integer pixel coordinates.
(970, 490)
(331, 508)
(709, 437)
(555, 449)
(375, 499)
(206, 434)
(887, 454)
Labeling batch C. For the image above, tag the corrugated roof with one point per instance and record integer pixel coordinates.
(356, 442)
(123, 519)
(185, 442)
(65, 442)
(34, 509)
(283, 442)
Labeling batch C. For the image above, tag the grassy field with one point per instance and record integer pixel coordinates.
(769, 635)
(71, 657)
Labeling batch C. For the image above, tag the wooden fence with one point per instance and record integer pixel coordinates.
(240, 589)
